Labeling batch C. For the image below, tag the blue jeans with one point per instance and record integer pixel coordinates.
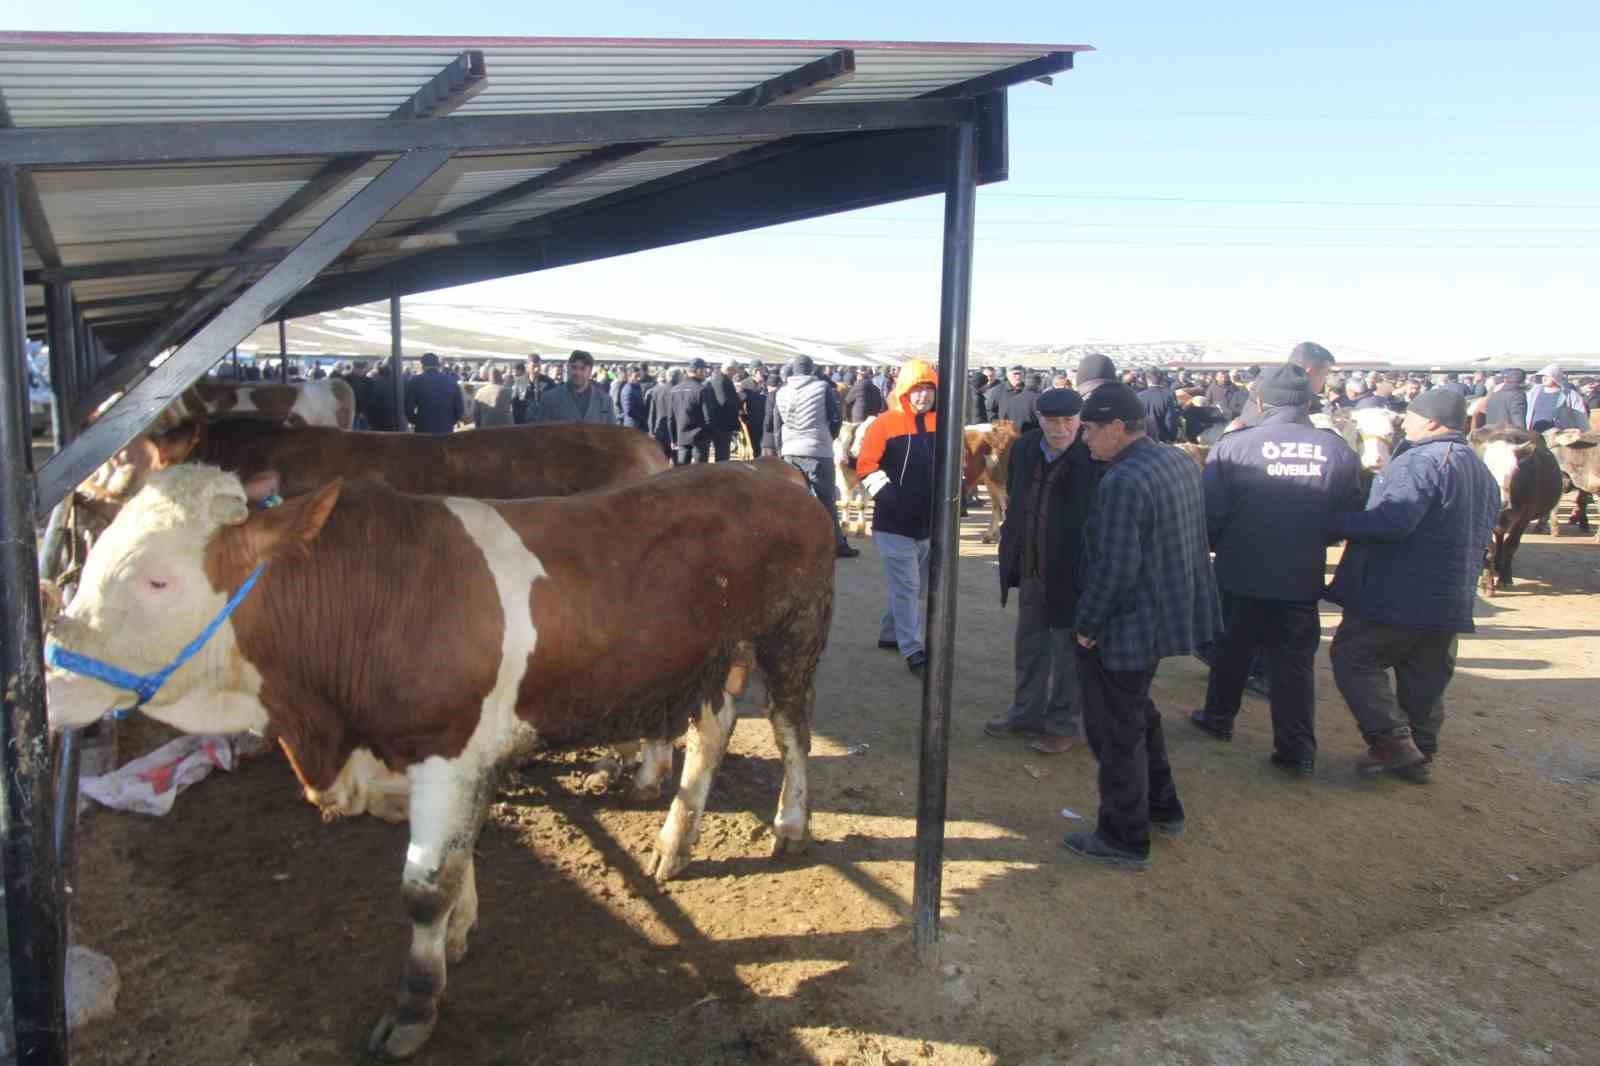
(905, 564)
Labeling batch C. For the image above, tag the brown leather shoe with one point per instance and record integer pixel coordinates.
(1390, 753)
(1048, 745)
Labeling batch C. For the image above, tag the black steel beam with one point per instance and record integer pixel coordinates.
(791, 86)
(397, 379)
(147, 399)
(34, 222)
(955, 304)
(64, 146)
(1043, 67)
(63, 365)
(834, 174)
(35, 909)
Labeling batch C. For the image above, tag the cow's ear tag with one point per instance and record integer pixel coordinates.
(268, 502)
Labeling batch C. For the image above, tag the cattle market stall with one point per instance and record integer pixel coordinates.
(162, 196)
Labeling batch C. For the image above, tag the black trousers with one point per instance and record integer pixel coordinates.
(698, 452)
(1124, 730)
(1423, 662)
(1289, 632)
(721, 445)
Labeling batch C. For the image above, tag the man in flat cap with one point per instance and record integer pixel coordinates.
(1269, 492)
(1050, 486)
(1146, 593)
(1406, 583)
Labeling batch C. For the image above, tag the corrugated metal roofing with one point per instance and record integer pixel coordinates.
(115, 213)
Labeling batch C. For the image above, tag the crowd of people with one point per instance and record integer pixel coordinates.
(1122, 552)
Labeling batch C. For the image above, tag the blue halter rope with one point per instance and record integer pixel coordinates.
(145, 686)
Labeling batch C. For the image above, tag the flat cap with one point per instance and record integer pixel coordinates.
(1059, 403)
(1113, 402)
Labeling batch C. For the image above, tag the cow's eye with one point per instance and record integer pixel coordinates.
(157, 584)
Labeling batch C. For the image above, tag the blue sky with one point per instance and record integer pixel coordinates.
(1418, 179)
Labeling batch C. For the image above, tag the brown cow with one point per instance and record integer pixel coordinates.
(503, 462)
(1530, 487)
(986, 451)
(339, 646)
(331, 402)
(1196, 452)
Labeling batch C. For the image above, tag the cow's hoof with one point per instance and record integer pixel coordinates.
(396, 1040)
(782, 845)
(670, 864)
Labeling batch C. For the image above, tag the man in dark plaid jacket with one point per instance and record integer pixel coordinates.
(1147, 593)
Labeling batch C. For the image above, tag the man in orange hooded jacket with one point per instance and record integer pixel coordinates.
(896, 468)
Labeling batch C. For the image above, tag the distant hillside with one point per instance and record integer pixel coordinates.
(479, 332)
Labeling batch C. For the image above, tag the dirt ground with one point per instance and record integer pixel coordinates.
(249, 932)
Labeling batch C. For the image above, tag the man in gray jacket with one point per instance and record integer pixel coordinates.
(807, 419)
(577, 400)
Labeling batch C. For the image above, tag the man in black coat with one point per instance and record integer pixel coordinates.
(434, 403)
(1160, 408)
(753, 407)
(1051, 488)
(863, 400)
(1019, 402)
(1269, 491)
(630, 400)
(721, 396)
(527, 393)
(364, 389)
(691, 418)
(383, 416)
(1508, 404)
(658, 411)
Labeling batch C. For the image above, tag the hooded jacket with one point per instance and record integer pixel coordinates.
(1570, 409)
(897, 459)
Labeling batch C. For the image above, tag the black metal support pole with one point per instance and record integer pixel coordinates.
(955, 301)
(396, 382)
(283, 350)
(34, 913)
(63, 359)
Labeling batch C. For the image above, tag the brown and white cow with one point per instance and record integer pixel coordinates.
(846, 450)
(1578, 455)
(330, 402)
(1530, 487)
(513, 462)
(986, 460)
(505, 462)
(345, 642)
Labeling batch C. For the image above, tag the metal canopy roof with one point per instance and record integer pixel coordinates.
(176, 191)
(114, 214)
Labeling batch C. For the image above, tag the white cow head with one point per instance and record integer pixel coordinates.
(1502, 458)
(155, 579)
(1377, 432)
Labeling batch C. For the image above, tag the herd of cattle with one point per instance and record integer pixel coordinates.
(428, 609)
(431, 608)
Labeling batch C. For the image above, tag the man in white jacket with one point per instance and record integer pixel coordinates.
(808, 418)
